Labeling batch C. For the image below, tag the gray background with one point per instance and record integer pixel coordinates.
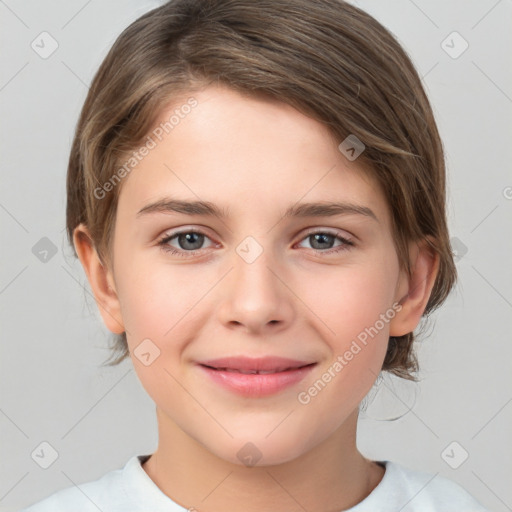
(53, 340)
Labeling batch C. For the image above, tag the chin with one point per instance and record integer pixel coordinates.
(256, 450)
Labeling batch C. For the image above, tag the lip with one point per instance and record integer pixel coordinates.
(268, 363)
(284, 373)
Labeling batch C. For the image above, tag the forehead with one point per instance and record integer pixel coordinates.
(245, 154)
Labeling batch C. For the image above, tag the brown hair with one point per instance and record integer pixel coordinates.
(327, 58)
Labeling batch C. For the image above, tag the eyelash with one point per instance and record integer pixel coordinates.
(346, 244)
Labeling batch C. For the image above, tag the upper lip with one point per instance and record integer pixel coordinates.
(269, 363)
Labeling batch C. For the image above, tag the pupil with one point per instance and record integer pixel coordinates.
(322, 238)
(191, 238)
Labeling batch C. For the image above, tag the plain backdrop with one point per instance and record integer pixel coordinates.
(456, 422)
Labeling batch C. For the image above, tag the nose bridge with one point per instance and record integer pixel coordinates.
(255, 296)
(252, 276)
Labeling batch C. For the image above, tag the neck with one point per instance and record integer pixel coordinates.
(331, 476)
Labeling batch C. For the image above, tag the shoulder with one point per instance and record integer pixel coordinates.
(105, 493)
(425, 492)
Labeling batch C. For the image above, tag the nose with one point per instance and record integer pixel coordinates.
(255, 296)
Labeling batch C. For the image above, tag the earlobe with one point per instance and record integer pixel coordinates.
(415, 291)
(100, 280)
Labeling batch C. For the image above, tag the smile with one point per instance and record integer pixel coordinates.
(256, 382)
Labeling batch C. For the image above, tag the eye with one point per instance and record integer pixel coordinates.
(322, 242)
(189, 242)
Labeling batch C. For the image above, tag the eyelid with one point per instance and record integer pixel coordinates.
(329, 231)
(167, 235)
(195, 228)
(346, 239)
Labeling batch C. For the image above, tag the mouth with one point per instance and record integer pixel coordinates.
(256, 377)
(257, 372)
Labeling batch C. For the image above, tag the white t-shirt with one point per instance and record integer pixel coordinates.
(130, 489)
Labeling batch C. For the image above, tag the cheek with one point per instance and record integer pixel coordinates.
(350, 299)
(355, 311)
(157, 305)
(158, 300)
(163, 304)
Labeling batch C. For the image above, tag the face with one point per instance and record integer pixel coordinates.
(313, 285)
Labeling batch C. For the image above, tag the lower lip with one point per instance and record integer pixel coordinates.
(256, 385)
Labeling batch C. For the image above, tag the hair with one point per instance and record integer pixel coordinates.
(328, 59)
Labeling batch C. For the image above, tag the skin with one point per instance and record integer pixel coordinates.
(256, 157)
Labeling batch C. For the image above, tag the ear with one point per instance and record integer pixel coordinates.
(414, 291)
(100, 279)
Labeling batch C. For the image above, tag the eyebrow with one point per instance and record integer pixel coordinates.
(206, 208)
